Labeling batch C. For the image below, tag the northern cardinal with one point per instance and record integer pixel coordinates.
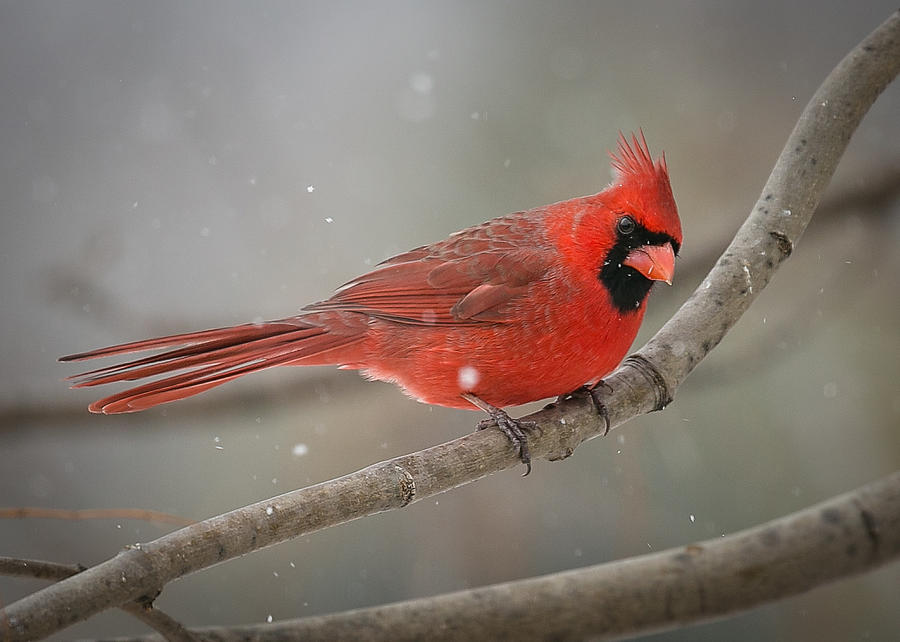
(523, 307)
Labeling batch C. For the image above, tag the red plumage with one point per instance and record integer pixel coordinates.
(520, 308)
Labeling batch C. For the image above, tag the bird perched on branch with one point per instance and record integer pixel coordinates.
(522, 307)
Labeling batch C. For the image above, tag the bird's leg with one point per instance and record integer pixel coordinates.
(590, 391)
(514, 429)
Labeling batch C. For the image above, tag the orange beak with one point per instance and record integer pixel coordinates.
(656, 262)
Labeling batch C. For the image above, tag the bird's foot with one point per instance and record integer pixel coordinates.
(590, 391)
(514, 429)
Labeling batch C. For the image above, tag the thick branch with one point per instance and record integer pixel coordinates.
(843, 536)
(783, 211)
(645, 382)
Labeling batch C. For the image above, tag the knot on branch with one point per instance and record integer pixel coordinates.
(654, 377)
(406, 485)
(869, 524)
(785, 246)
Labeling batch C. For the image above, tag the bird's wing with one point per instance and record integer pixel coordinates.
(478, 275)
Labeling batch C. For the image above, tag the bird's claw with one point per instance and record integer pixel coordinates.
(591, 391)
(514, 430)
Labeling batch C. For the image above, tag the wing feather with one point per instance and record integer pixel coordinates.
(475, 276)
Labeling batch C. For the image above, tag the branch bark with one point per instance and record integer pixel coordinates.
(645, 382)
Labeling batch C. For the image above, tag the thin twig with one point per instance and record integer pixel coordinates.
(646, 381)
(38, 512)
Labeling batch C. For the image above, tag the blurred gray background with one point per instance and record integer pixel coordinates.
(171, 166)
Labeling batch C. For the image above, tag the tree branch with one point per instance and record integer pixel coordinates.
(784, 209)
(169, 628)
(846, 535)
(646, 381)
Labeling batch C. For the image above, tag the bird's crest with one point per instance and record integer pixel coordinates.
(633, 160)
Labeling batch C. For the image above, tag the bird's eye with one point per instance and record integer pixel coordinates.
(626, 225)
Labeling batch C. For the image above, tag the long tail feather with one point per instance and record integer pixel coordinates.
(211, 358)
(236, 334)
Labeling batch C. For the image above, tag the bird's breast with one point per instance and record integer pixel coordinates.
(559, 346)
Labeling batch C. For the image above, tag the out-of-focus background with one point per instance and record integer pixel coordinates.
(173, 166)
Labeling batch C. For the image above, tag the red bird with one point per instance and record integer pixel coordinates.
(523, 307)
